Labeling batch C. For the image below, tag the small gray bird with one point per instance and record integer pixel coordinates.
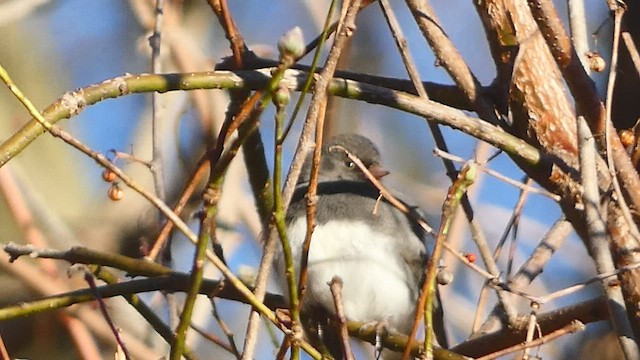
(376, 250)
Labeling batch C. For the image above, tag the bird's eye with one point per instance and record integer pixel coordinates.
(349, 164)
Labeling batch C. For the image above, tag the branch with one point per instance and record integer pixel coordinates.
(585, 312)
(584, 93)
(73, 103)
(598, 243)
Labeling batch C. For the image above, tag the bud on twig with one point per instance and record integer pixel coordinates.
(281, 96)
(291, 45)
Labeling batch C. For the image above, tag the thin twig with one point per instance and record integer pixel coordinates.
(226, 329)
(450, 59)
(573, 288)
(483, 167)
(318, 44)
(336, 290)
(456, 192)
(82, 338)
(23, 217)
(239, 50)
(575, 326)
(194, 180)
(234, 36)
(4, 354)
(88, 277)
(586, 312)
(512, 228)
(633, 50)
(214, 339)
(278, 221)
(314, 122)
(480, 306)
(531, 328)
(149, 314)
(414, 215)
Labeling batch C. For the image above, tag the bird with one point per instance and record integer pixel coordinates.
(376, 250)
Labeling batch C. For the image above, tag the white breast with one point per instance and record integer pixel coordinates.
(375, 283)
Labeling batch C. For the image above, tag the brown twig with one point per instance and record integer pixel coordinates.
(585, 312)
(315, 120)
(214, 339)
(571, 289)
(633, 50)
(236, 40)
(385, 192)
(88, 277)
(225, 329)
(336, 290)
(451, 60)
(23, 216)
(573, 327)
(512, 228)
(239, 50)
(194, 180)
(395, 341)
(4, 354)
(82, 338)
(483, 167)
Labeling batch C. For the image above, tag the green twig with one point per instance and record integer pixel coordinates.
(176, 282)
(72, 103)
(395, 341)
(149, 315)
(83, 255)
(454, 195)
(207, 230)
(280, 100)
(319, 42)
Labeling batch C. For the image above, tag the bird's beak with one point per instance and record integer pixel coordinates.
(377, 171)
